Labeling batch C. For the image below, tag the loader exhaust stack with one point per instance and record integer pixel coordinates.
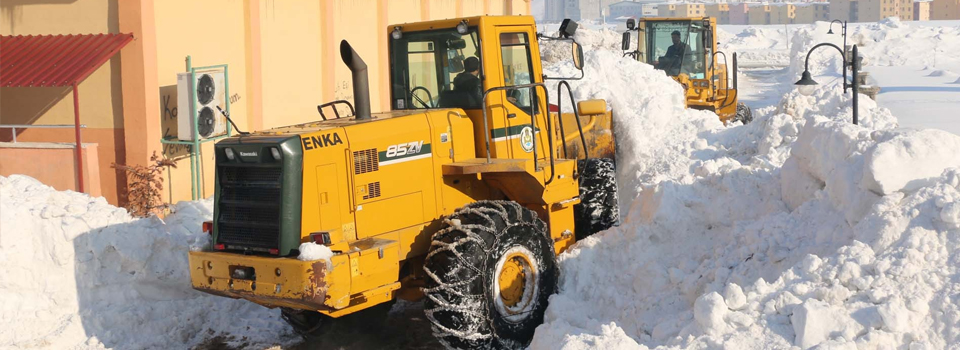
(361, 87)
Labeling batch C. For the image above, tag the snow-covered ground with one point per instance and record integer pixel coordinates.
(915, 64)
(798, 230)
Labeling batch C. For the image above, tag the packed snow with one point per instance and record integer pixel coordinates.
(81, 273)
(798, 230)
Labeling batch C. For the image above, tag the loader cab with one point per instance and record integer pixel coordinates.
(677, 46)
(471, 64)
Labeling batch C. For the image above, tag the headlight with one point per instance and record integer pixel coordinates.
(396, 34)
(229, 152)
(275, 152)
(462, 27)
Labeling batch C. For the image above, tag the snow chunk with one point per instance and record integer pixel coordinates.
(734, 297)
(311, 251)
(709, 311)
(910, 160)
(815, 322)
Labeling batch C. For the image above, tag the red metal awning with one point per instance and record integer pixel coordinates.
(55, 60)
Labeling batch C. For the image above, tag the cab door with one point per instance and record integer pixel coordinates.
(518, 116)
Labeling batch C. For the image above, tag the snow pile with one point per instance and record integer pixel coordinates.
(80, 273)
(891, 42)
(828, 100)
(310, 251)
(798, 229)
(756, 46)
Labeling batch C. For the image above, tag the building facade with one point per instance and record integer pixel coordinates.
(278, 54)
(681, 10)
(921, 10)
(821, 11)
(626, 9)
(739, 13)
(720, 11)
(558, 10)
(945, 10)
(759, 14)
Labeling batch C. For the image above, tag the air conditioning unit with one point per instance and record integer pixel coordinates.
(197, 102)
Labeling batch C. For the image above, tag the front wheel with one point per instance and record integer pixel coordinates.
(490, 272)
(599, 205)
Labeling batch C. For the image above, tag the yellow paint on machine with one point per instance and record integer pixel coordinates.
(380, 187)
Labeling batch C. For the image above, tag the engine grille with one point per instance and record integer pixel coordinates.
(249, 208)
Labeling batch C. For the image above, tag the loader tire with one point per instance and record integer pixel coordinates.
(599, 204)
(490, 271)
(744, 114)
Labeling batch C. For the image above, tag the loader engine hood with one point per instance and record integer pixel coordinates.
(257, 202)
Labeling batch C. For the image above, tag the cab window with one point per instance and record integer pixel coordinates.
(676, 47)
(429, 69)
(517, 67)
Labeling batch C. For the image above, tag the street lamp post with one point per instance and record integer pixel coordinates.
(843, 32)
(806, 83)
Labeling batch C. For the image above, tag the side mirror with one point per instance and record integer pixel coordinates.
(631, 24)
(625, 45)
(567, 28)
(577, 56)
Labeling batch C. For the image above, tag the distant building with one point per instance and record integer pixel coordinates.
(720, 11)
(845, 10)
(759, 14)
(921, 10)
(945, 9)
(636, 8)
(738, 13)
(557, 10)
(875, 10)
(821, 11)
(681, 10)
(871, 10)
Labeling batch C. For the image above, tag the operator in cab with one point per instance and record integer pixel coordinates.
(467, 83)
(678, 55)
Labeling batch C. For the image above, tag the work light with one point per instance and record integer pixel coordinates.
(462, 27)
(396, 34)
(275, 152)
(229, 153)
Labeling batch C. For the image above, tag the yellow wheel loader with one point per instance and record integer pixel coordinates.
(462, 195)
(686, 49)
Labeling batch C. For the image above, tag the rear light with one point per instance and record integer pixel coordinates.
(553, 108)
(219, 247)
(274, 251)
(208, 227)
(320, 238)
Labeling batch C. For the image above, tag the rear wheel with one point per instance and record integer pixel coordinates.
(744, 114)
(598, 209)
(489, 273)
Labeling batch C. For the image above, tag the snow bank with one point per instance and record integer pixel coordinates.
(80, 273)
(798, 229)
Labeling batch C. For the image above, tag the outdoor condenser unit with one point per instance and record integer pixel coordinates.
(197, 102)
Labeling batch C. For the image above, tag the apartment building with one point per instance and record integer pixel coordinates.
(875, 10)
(845, 10)
(720, 11)
(557, 10)
(921, 10)
(759, 14)
(738, 13)
(945, 9)
(821, 11)
(637, 8)
(681, 10)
